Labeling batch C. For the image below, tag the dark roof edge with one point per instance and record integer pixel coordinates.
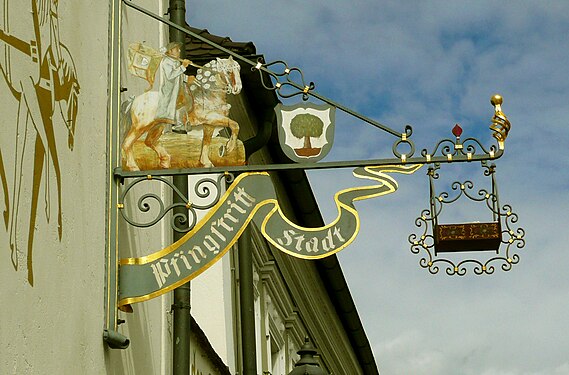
(331, 272)
(204, 343)
(308, 213)
(197, 48)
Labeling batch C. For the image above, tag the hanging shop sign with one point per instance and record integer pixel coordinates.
(180, 125)
(251, 197)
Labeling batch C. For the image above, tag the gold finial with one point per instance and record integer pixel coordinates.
(500, 123)
(496, 100)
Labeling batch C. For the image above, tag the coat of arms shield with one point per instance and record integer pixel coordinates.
(306, 130)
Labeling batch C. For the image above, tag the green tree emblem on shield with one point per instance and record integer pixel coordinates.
(306, 126)
(306, 131)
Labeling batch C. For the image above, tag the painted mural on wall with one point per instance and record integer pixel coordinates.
(176, 122)
(40, 75)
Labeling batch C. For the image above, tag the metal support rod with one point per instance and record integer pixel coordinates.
(181, 306)
(247, 302)
(308, 166)
(111, 270)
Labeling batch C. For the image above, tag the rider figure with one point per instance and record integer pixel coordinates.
(172, 70)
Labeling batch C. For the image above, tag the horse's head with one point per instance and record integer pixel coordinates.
(67, 93)
(230, 71)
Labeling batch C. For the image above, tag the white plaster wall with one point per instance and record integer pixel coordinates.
(211, 300)
(55, 325)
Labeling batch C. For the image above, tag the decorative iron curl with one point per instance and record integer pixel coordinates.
(466, 189)
(301, 87)
(469, 148)
(461, 268)
(283, 79)
(208, 189)
(487, 267)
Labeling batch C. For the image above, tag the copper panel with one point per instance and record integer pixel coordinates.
(467, 237)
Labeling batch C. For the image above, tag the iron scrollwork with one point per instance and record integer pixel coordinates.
(289, 81)
(510, 236)
(208, 189)
(451, 150)
(287, 73)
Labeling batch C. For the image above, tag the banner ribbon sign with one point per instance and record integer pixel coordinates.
(250, 197)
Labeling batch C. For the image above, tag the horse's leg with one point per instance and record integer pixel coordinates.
(152, 141)
(227, 123)
(29, 109)
(38, 168)
(206, 142)
(234, 126)
(132, 135)
(5, 189)
(21, 138)
(51, 147)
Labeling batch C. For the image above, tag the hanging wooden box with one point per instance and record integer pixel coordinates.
(467, 237)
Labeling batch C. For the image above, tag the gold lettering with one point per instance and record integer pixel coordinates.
(185, 259)
(174, 263)
(236, 206)
(299, 241)
(161, 273)
(228, 216)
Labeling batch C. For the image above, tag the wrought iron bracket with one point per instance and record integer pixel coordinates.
(208, 189)
(445, 151)
(286, 82)
(283, 76)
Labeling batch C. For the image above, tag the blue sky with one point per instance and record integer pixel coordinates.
(432, 64)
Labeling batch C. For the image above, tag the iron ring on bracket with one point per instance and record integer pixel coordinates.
(404, 140)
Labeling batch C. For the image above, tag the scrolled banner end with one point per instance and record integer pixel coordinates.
(250, 197)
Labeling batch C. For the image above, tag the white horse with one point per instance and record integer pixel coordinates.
(206, 106)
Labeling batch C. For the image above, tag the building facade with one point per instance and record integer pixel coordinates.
(65, 69)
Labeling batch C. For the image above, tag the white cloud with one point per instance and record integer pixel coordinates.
(431, 64)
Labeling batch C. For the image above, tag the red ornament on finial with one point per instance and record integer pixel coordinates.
(457, 131)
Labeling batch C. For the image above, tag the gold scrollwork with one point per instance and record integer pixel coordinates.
(500, 123)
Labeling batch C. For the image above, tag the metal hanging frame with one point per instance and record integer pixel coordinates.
(500, 236)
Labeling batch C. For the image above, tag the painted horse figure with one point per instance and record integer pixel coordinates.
(207, 107)
(41, 76)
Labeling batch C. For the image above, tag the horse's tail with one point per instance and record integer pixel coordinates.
(125, 116)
